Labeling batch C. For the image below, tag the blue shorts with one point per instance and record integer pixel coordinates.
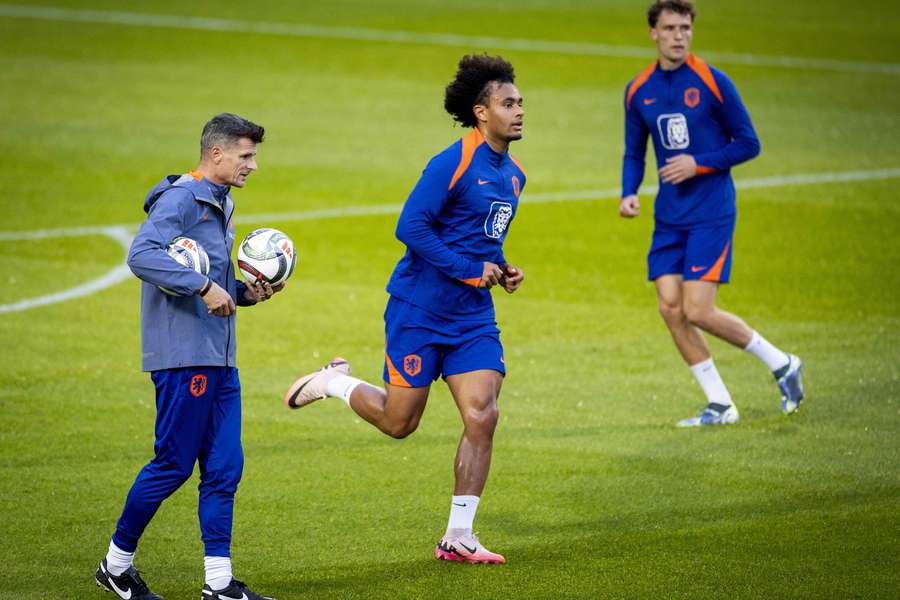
(421, 346)
(696, 253)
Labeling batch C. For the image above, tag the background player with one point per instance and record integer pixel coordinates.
(189, 347)
(440, 315)
(700, 130)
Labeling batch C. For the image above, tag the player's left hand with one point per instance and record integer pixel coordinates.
(512, 277)
(678, 169)
(260, 292)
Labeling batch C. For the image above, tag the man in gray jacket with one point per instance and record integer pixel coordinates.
(189, 348)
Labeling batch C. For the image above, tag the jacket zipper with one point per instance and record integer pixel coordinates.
(232, 319)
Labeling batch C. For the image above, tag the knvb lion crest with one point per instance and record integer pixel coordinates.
(412, 364)
(198, 385)
(498, 219)
(691, 97)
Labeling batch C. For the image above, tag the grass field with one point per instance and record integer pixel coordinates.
(593, 492)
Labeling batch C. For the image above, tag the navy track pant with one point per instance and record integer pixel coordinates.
(198, 419)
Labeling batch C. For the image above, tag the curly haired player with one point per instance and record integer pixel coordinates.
(439, 319)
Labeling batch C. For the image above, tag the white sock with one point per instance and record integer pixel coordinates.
(766, 352)
(218, 571)
(712, 384)
(117, 560)
(342, 386)
(462, 514)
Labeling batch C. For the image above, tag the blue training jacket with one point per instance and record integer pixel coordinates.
(177, 331)
(694, 109)
(455, 220)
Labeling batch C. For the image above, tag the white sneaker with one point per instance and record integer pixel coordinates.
(314, 386)
(466, 548)
(713, 414)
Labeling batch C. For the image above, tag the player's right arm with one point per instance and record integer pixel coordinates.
(633, 162)
(416, 225)
(149, 261)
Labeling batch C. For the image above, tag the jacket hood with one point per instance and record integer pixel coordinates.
(157, 190)
(209, 192)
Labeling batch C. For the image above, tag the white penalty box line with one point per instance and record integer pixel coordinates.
(124, 233)
(306, 30)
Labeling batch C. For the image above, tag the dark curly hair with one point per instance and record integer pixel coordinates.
(471, 85)
(681, 7)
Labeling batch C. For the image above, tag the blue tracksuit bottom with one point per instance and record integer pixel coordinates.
(198, 420)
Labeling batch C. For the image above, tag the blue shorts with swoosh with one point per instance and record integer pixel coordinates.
(421, 346)
(697, 252)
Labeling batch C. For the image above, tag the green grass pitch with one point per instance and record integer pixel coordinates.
(593, 493)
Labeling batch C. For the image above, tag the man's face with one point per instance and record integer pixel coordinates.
(233, 162)
(504, 112)
(672, 34)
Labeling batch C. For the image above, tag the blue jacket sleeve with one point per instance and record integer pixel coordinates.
(147, 257)
(744, 143)
(416, 226)
(241, 287)
(635, 150)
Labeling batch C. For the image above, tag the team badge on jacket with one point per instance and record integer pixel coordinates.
(673, 131)
(498, 219)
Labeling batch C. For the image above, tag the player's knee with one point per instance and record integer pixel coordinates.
(398, 431)
(226, 476)
(697, 314)
(483, 419)
(671, 312)
(176, 471)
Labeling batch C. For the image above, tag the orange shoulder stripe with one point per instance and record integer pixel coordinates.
(518, 164)
(196, 175)
(395, 377)
(715, 273)
(640, 80)
(699, 66)
(469, 144)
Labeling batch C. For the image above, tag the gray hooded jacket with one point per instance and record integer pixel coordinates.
(177, 331)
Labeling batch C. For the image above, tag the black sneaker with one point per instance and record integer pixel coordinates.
(128, 585)
(236, 590)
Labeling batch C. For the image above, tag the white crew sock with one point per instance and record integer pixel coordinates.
(760, 348)
(712, 384)
(117, 560)
(462, 514)
(342, 386)
(218, 571)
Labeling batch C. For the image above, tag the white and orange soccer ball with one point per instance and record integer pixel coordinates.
(267, 255)
(190, 254)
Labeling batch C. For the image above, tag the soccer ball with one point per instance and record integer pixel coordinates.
(267, 255)
(190, 254)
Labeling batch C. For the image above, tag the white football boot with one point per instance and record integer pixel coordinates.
(314, 386)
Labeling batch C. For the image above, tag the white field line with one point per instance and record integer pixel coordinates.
(123, 233)
(119, 273)
(305, 30)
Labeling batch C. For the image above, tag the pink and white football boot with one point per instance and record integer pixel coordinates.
(314, 386)
(466, 548)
